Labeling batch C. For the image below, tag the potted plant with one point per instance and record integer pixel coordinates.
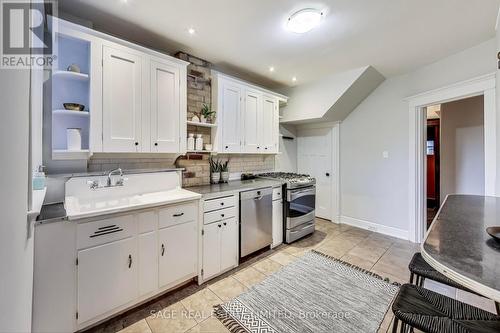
(214, 171)
(206, 113)
(224, 171)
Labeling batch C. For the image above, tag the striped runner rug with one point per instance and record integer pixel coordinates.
(315, 293)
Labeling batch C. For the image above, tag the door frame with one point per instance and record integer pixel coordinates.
(335, 180)
(483, 85)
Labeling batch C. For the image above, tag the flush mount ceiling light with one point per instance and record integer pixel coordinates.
(304, 20)
(191, 31)
(271, 69)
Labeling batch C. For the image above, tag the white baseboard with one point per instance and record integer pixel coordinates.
(382, 229)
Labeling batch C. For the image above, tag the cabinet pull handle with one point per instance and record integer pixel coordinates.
(178, 214)
(162, 249)
(105, 232)
(129, 260)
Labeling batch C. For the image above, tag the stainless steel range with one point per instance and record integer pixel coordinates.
(299, 208)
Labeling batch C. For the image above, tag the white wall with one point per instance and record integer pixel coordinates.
(16, 251)
(373, 188)
(462, 147)
(286, 161)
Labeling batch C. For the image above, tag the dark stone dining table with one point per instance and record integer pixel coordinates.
(458, 246)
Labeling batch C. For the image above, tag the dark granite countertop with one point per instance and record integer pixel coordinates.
(214, 190)
(52, 213)
(459, 246)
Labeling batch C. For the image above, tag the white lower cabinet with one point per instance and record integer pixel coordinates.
(277, 222)
(220, 247)
(107, 277)
(178, 253)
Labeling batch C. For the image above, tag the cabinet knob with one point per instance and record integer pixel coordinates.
(219, 226)
(258, 147)
(222, 204)
(156, 143)
(265, 148)
(222, 215)
(225, 223)
(227, 147)
(137, 143)
(328, 174)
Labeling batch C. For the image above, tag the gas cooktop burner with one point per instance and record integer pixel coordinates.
(292, 179)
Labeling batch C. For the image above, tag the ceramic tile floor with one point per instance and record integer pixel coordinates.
(189, 308)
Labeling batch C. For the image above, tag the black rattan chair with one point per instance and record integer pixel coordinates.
(419, 308)
(420, 269)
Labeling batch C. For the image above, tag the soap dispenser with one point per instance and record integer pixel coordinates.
(39, 178)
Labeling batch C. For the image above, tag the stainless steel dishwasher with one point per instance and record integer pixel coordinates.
(256, 220)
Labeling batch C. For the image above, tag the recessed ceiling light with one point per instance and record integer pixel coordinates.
(191, 31)
(294, 79)
(304, 20)
(271, 69)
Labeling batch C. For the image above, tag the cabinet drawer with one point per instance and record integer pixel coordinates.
(104, 231)
(219, 203)
(277, 193)
(177, 214)
(218, 215)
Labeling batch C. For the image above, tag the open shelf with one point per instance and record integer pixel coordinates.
(71, 75)
(193, 123)
(71, 113)
(62, 154)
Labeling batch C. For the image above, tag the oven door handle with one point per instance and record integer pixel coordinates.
(295, 195)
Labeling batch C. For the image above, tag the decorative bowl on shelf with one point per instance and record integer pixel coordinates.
(494, 232)
(74, 106)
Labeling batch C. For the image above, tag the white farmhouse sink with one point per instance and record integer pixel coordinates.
(139, 191)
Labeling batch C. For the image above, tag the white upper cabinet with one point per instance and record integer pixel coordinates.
(252, 121)
(247, 116)
(165, 107)
(137, 95)
(122, 102)
(231, 121)
(270, 125)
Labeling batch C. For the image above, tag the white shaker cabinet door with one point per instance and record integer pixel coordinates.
(165, 108)
(252, 119)
(122, 101)
(269, 125)
(211, 249)
(231, 121)
(107, 277)
(178, 252)
(229, 244)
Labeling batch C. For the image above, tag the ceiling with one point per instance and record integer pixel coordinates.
(247, 37)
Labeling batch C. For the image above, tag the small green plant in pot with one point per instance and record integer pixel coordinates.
(224, 171)
(207, 114)
(214, 170)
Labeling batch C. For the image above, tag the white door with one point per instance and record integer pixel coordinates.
(277, 222)
(148, 262)
(107, 277)
(252, 120)
(165, 108)
(229, 244)
(178, 252)
(269, 124)
(121, 101)
(231, 121)
(315, 158)
(211, 249)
